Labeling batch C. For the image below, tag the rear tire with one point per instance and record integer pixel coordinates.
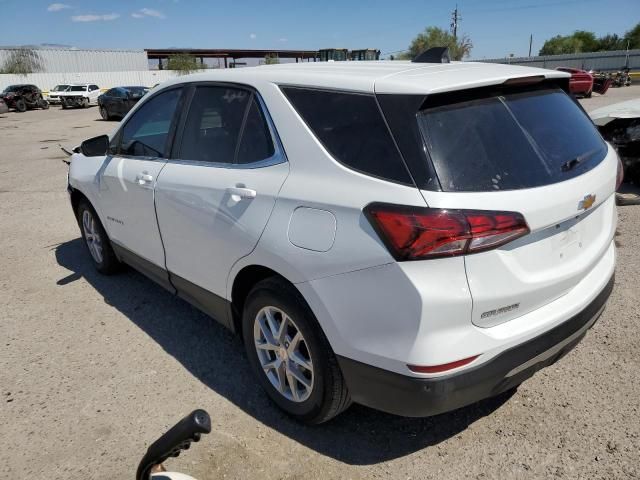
(307, 382)
(588, 94)
(96, 240)
(21, 105)
(85, 103)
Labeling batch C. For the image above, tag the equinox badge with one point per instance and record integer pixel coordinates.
(587, 202)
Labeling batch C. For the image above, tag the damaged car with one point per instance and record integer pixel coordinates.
(619, 124)
(53, 95)
(23, 97)
(79, 95)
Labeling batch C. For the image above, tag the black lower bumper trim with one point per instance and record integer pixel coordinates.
(420, 397)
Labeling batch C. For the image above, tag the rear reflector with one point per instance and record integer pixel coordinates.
(442, 368)
(414, 233)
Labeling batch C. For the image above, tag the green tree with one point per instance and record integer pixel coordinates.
(587, 40)
(583, 41)
(271, 59)
(633, 37)
(22, 61)
(611, 42)
(562, 44)
(459, 47)
(184, 63)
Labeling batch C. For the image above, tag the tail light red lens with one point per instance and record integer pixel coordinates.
(414, 233)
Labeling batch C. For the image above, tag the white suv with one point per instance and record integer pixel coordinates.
(79, 95)
(413, 237)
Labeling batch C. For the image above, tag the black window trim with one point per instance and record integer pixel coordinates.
(279, 156)
(171, 134)
(282, 86)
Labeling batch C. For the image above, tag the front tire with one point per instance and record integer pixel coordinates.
(290, 355)
(96, 240)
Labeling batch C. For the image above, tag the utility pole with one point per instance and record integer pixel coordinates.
(530, 42)
(455, 17)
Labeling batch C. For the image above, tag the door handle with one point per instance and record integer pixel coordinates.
(238, 193)
(144, 179)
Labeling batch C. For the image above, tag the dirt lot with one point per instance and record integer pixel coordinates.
(93, 368)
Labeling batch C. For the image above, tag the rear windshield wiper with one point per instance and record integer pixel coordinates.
(570, 164)
(574, 162)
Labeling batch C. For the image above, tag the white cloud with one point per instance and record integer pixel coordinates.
(149, 12)
(95, 18)
(137, 15)
(253, 36)
(283, 40)
(56, 7)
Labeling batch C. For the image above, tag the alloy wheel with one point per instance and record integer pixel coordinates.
(92, 236)
(283, 354)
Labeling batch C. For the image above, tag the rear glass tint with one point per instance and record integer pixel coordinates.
(350, 126)
(509, 142)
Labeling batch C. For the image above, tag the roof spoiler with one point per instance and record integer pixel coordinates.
(433, 55)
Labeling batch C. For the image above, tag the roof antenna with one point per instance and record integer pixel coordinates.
(433, 55)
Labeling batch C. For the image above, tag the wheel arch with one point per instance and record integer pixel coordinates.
(76, 197)
(242, 283)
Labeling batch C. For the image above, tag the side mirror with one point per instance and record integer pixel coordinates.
(95, 147)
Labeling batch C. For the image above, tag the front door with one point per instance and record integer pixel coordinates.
(213, 201)
(129, 177)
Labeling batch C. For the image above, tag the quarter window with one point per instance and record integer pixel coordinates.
(352, 129)
(147, 131)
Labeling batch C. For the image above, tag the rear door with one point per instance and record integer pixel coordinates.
(533, 152)
(215, 195)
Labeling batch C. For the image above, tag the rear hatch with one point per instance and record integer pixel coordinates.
(530, 150)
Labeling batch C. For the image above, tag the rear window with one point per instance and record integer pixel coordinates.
(510, 141)
(77, 88)
(351, 128)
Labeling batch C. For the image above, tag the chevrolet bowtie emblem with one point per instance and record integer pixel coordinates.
(587, 202)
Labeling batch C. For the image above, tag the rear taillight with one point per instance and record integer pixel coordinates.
(414, 233)
(619, 174)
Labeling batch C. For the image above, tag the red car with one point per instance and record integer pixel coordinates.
(580, 83)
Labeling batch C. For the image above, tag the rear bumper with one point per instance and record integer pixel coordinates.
(417, 397)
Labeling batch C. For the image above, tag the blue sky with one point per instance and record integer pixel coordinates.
(496, 27)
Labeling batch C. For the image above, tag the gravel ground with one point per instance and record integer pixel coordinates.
(93, 368)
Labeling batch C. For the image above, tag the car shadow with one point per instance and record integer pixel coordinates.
(359, 436)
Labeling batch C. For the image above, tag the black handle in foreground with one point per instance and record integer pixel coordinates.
(178, 438)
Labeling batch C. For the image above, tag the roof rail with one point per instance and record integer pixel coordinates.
(433, 55)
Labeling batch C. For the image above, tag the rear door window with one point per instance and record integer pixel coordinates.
(256, 143)
(213, 124)
(510, 141)
(351, 127)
